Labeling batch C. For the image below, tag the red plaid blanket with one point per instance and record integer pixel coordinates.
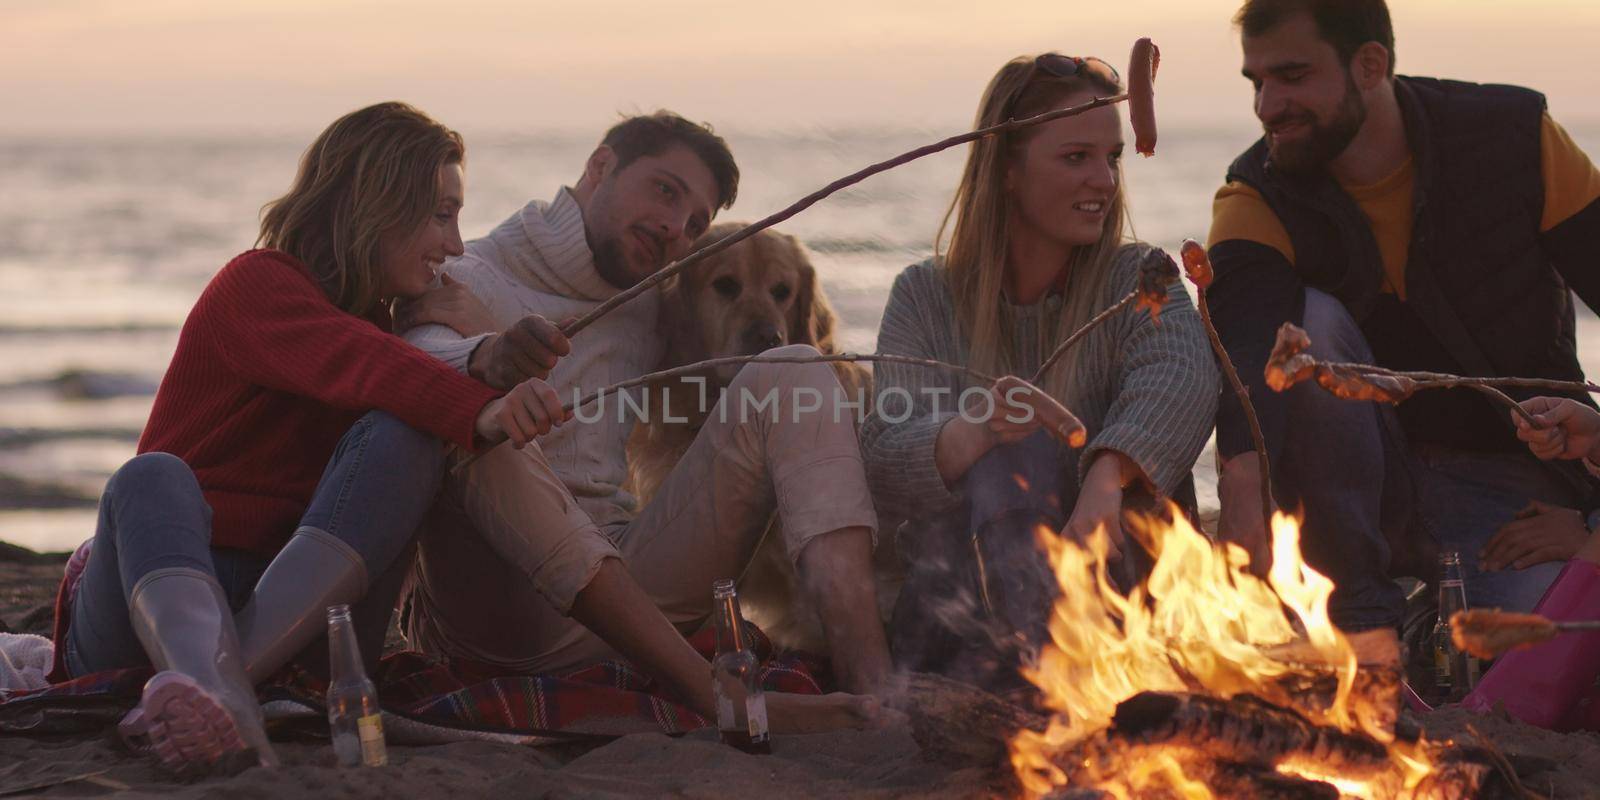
(609, 698)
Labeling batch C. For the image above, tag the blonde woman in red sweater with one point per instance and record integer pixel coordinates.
(293, 446)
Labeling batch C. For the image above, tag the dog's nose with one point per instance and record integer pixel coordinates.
(761, 336)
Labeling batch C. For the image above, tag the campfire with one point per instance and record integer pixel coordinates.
(1206, 681)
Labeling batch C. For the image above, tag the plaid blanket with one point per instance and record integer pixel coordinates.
(438, 700)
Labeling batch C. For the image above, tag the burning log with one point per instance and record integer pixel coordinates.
(1312, 688)
(1245, 729)
(1245, 780)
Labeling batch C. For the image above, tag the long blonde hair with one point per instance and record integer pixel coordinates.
(372, 172)
(975, 261)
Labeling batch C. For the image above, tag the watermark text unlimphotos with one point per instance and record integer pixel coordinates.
(741, 404)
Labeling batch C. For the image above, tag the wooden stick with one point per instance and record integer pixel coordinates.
(1290, 364)
(1197, 265)
(1061, 349)
(1502, 764)
(1441, 380)
(810, 199)
(700, 366)
(1156, 276)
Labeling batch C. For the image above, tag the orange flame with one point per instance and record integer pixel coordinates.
(1202, 623)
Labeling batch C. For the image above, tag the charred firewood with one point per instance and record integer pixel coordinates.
(1461, 772)
(1233, 779)
(1244, 729)
(1312, 688)
(960, 725)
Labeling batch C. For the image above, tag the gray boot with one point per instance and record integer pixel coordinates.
(289, 608)
(200, 710)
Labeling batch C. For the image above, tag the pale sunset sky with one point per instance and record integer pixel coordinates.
(75, 67)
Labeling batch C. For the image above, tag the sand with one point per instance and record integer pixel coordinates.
(866, 764)
(875, 764)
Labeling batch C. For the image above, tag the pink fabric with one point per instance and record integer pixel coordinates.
(1544, 685)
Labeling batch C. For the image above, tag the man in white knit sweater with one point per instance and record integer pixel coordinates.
(513, 563)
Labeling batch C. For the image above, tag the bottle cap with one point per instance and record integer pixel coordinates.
(339, 612)
(722, 588)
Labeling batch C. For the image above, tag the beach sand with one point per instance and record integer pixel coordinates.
(855, 763)
(941, 755)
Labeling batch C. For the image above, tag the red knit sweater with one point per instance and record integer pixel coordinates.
(269, 375)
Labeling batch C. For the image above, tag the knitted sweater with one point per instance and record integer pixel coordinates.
(538, 262)
(269, 375)
(1153, 394)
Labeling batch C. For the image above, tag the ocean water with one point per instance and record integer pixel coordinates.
(105, 244)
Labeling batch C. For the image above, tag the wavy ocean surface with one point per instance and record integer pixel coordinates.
(105, 243)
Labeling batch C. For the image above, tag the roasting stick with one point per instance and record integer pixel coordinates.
(1488, 632)
(1154, 278)
(1061, 423)
(1197, 265)
(1145, 60)
(1289, 364)
(1140, 95)
(572, 329)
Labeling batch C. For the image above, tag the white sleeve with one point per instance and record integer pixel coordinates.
(443, 343)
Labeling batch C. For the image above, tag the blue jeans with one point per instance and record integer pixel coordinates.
(1376, 508)
(977, 623)
(372, 495)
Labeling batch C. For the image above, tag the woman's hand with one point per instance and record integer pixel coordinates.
(1100, 504)
(1018, 410)
(532, 408)
(451, 304)
(1566, 428)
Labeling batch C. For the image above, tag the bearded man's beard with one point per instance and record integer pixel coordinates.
(1324, 142)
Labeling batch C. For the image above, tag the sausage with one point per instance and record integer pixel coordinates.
(1197, 264)
(1146, 60)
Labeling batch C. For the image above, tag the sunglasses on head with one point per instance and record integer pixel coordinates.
(1072, 66)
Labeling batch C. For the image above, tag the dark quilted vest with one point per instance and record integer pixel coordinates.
(1475, 276)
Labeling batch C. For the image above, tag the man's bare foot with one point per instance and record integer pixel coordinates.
(813, 713)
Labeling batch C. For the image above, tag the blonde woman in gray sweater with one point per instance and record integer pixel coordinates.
(1036, 248)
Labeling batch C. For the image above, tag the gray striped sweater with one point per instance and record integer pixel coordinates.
(1153, 395)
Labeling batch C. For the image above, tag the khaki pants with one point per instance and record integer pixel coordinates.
(507, 549)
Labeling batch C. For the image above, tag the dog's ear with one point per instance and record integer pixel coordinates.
(813, 318)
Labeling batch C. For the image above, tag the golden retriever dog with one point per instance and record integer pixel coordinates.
(758, 294)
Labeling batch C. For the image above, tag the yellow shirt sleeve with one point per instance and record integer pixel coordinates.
(1571, 181)
(1239, 212)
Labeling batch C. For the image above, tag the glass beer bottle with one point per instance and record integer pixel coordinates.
(353, 715)
(736, 678)
(1454, 671)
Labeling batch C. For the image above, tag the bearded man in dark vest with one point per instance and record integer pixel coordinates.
(1417, 224)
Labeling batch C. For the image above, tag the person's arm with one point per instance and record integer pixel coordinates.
(452, 303)
(271, 324)
(1255, 290)
(899, 439)
(1161, 413)
(1570, 227)
(1166, 394)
